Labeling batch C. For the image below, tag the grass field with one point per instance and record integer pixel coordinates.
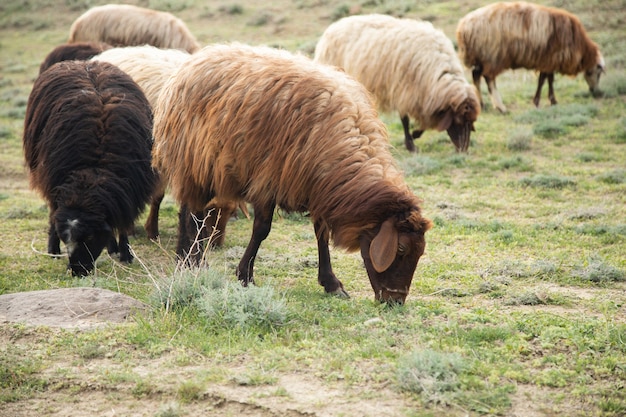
(517, 307)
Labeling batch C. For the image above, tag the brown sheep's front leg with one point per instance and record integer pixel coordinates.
(326, 277)
(260, 229)
(551, 89)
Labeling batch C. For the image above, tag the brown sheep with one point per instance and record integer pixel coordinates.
(514, 35)
(128, 25)
(150, 67)
(275, 129)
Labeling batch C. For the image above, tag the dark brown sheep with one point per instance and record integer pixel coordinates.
(87, 144)
(81, 51)
(275, 129)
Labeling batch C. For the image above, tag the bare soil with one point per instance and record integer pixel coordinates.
(79, 393)
(78, 389)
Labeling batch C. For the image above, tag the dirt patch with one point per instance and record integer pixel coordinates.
(78, 389)
(82, 308)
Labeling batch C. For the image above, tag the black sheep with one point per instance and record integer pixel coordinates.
(87, 145)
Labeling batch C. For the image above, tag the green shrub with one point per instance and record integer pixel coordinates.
(233, 9)
(613, 177)
(235, 306)
(419, 165)
(520, 139)
(597, 270)
(613, 85)
(549, 129)
(547, 181)
(434, 375)
(185, 286)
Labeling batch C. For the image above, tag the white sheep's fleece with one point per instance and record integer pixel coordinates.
(408, 65)
(128, 25)
(147, 65)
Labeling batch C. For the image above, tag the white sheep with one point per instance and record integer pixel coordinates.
(500, 36)
(410, 67)
(147, 65)
(128, 25)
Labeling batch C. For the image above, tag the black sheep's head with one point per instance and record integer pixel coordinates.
(84, 235)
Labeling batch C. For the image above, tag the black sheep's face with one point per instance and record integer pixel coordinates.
(84, 239)
(391, 257)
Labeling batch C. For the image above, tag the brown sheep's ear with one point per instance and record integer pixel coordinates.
(446, 120)
(384, 246)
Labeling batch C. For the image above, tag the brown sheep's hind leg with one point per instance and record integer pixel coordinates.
(152, 222)
(408, 139)
(189, 246)
(260, 229)
(326, 277)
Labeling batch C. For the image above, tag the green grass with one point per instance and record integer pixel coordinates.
(519, 298)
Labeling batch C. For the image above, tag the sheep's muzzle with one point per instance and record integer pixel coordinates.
(460, 135)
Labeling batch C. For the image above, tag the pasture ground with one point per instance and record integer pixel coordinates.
(517, 307)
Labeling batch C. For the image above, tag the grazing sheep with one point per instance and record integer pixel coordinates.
(410, 67)
(127, 25)
(500, 36)
(275, 129)
(81, 51)
(87, 145)
(149, 67)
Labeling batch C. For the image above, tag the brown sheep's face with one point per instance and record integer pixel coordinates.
(592, 76)
(391, 257)
(84, 239)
